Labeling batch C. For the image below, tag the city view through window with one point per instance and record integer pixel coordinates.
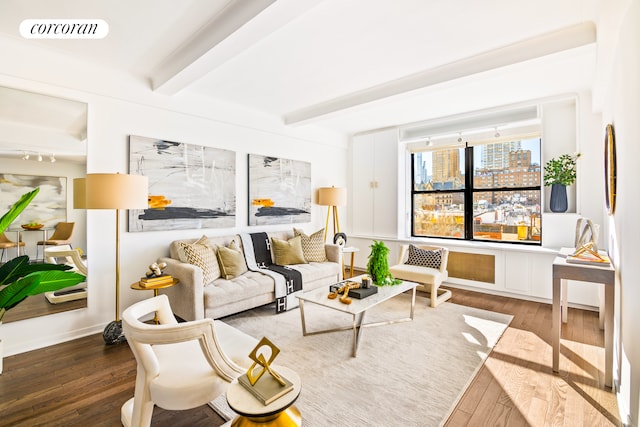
(500, 201)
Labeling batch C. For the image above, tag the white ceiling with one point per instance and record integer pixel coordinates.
(347, 65)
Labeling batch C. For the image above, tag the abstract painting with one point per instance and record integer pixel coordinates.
(49, 207)
(190, 186)
(279, 190)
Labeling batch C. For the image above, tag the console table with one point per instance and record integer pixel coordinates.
(562, 271)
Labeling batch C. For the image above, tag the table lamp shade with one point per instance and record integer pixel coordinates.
(332, 196)
(116, 191)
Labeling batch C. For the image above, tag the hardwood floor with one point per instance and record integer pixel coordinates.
(84, 382)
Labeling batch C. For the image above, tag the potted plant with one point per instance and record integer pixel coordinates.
(19, 278)
(558, 174)
(378, 265)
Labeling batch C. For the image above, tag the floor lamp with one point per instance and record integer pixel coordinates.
(112, 191)
(332, 197)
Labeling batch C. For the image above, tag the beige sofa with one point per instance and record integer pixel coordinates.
(192, 299)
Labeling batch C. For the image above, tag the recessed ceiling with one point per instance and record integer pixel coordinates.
(348, 66)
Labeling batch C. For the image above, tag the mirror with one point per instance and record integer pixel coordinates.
(43, 143)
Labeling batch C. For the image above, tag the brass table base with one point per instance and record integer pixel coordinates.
(289, 417)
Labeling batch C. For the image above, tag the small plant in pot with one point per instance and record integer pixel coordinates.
(19, 278)
(378, 265)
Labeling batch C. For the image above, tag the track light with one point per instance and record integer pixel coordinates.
(497, 134)
(460, 137)
(25, 156)
(39, 157)
(429, 142)
(52, 158)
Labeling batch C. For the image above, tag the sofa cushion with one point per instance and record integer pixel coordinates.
(312, 246)
(424, 257)
(232, 262)
(287, 252)
(201, 253)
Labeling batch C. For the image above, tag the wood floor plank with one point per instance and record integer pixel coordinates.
(83, 382)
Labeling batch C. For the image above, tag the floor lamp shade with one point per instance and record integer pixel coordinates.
(332, 197)
(116, 191)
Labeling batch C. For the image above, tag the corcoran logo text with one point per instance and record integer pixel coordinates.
(64, 28)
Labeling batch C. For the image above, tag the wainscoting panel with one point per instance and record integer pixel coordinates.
(470, 266)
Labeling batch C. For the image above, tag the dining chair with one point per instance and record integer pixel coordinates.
(61, 236)
(6, 243)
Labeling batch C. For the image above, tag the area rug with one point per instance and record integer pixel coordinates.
(405, 374)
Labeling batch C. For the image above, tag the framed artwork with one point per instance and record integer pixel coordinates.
(279, 190)
(610, 172)
(49, 207)
(190, 186)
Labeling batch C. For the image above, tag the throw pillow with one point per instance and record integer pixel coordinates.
(201, 253)
(312, 246)
(231, 259)
(424, 257)
(287, 252)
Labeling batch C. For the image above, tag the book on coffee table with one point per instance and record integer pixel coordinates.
(357, 293)
(266, 389)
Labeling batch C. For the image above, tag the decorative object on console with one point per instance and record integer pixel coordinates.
(586, 232)
(265, 388)
(378, 265)
(112, 191)
(279, 190)
(588, 254)
(610, 169)
(332, 197)
(558, 174)
(183, 198)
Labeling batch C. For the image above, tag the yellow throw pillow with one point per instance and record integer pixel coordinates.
(312, 246)
(287, 252)
(201, 253)
(232, 262)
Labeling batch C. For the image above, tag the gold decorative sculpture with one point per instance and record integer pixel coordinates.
(260, 359)
(586, 233)
(589, 248)
(344, 290)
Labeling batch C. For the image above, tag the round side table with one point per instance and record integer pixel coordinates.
(251, 412)
(155, 288)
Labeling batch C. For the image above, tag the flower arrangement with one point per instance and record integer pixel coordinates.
(561, 170)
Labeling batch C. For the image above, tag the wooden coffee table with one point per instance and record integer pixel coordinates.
(357, 308)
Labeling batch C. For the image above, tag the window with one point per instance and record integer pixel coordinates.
(488, 192)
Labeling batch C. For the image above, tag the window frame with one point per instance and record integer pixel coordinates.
(469, 192)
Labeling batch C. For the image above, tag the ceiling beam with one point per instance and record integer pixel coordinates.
(239, 26)
(536, 47)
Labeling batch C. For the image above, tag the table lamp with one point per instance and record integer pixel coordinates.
(332, 197)
(112, 191)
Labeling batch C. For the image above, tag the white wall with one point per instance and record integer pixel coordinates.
(621, 107)
(119, 107)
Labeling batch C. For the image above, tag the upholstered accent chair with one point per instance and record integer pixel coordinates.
(426, 265)
(6, 243)
(180, 365)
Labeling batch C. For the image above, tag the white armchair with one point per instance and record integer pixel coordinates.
(429, 277)
(70, 257)
(180, 365)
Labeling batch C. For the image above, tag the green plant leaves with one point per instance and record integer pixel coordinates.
(17, 209)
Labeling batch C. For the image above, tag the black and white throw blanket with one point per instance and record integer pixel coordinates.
(288, 282)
